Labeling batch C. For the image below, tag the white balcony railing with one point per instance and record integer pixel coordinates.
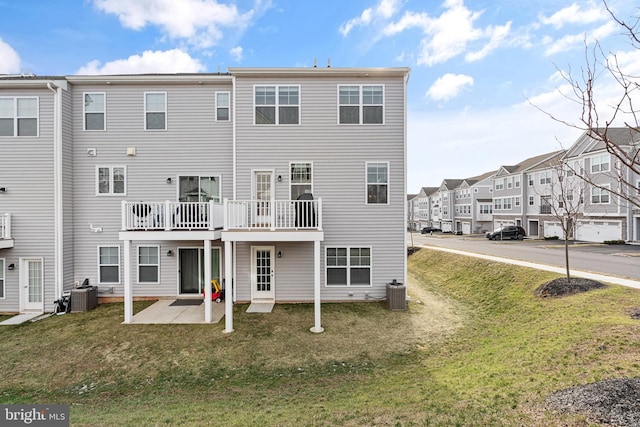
(5, 226)
(273, 215)
(172, 215)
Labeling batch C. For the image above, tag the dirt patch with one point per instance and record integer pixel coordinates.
(635, 313)
(614, 402)
(562, 286)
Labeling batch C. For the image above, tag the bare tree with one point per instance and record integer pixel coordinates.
(610, 119)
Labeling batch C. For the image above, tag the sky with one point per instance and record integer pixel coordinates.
(486, 75)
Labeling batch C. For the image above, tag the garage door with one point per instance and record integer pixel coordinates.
(552, 229)
(599, 231)
(466, 228)
(446, 227)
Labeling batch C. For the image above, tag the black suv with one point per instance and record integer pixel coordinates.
(507, 232)
(428, 230)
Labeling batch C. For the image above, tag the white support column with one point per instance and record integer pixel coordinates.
(317, 328)
(228, 286)
(128, 290)
(207, 281)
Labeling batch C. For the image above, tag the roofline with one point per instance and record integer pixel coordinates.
(34, 82)
(154, 78)
(346, 72)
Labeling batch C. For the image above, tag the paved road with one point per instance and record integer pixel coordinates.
(615, 260)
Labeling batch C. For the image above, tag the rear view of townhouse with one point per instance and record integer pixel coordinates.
(280, 184)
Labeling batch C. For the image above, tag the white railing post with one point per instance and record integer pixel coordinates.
(272, 202)
(210, 216)
(319, 214)
(226, 213)
(167, 215)
(124, 215)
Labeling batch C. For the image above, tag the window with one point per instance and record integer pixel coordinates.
(155, 110)
(507, 203)
(348, 266)
(486, 209)
(600, 163)
(108, 264)
(301, 179)
(516, 181)
(1, 278)
(94, 111)
(516, 201)
(599, 196)
(148, 264)
(545, 205)
(19, 116)
(497, 204)
(510, 182)
(531, 179)
(532, 200)
(377, 183)
(361, 104)
(199, 189)
(223, 106)
(545, 177)
(283, 109)
(499, 184)
(111, 180)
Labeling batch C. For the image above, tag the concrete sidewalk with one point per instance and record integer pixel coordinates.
(561, 270)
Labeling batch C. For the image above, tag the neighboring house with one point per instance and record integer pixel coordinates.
(423, 208)
(446, 196)
(412, 207)
(284, 184)
(481, 191)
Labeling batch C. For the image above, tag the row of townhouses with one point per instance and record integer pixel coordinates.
(268, 180)
(541, 192)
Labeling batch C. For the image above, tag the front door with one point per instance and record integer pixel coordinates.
(262, 274)
(263, 196)
(32, 282)
(191, 273)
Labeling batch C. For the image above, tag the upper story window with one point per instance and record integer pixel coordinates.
(199, 189)
(516, 181)
(94, 111)
(545, 205)
(532, 200)
(361, 104)
(530, 179)
(19, 116)
(510, 182)
(599, 196)
(499, 184)
(111, 180)
(277, 105)
(223, 106)
(301, 179)
(377, 183)
(600, 163)
(545, 177)
(155, 110)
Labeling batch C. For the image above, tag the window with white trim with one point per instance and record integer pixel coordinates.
(545, 205)
(531, 179)
(377, 183)
(19, 116)
(486, 209)
(506, 204)
(155, 110)
(277, 105)
(301, 179)
(500, 184)
(600, 163)
(532, 200)
(111, 180)
(516, 201)
(94, 108)
(360, 104)
(347, 266)
(510, 183)
(2, 293)
(516, 181)
(223, 106)
(599, 196)
(545, 177)
(148, 264)
(108, 264)
(199, 189)
(497, 204)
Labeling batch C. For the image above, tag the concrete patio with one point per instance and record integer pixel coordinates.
(163, 312)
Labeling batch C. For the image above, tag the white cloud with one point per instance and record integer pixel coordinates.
(200, 22)
(10, 59)
(385, 9)
(450, 34)
(576, 14)
(170, 61)
(573, 41)
(449, 86)
(236, 53)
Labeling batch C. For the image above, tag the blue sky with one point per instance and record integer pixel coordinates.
(476, 65)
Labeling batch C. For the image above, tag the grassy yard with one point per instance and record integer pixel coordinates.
(474, 348)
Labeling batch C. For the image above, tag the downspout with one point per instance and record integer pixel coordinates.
(58, 257)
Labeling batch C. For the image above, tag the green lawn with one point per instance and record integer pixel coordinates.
(474, 348)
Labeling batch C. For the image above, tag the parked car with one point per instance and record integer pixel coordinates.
(507, 232)
(427, 230)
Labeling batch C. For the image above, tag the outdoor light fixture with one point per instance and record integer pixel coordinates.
(11, 266)
(279, 178)
(279, 254)
(3, 189)
(169, 180)
(169, 252)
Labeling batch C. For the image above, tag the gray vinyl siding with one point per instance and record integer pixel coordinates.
(339, 154)
(193, 144)
(67, 190)
(26, 170)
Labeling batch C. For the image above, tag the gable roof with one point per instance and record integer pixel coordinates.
(589, 143)
(530, 163)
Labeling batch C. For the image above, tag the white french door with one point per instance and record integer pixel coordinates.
(262, 273)
(32, 284)
(263, 194)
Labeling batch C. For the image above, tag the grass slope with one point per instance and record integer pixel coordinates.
(475, 347)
